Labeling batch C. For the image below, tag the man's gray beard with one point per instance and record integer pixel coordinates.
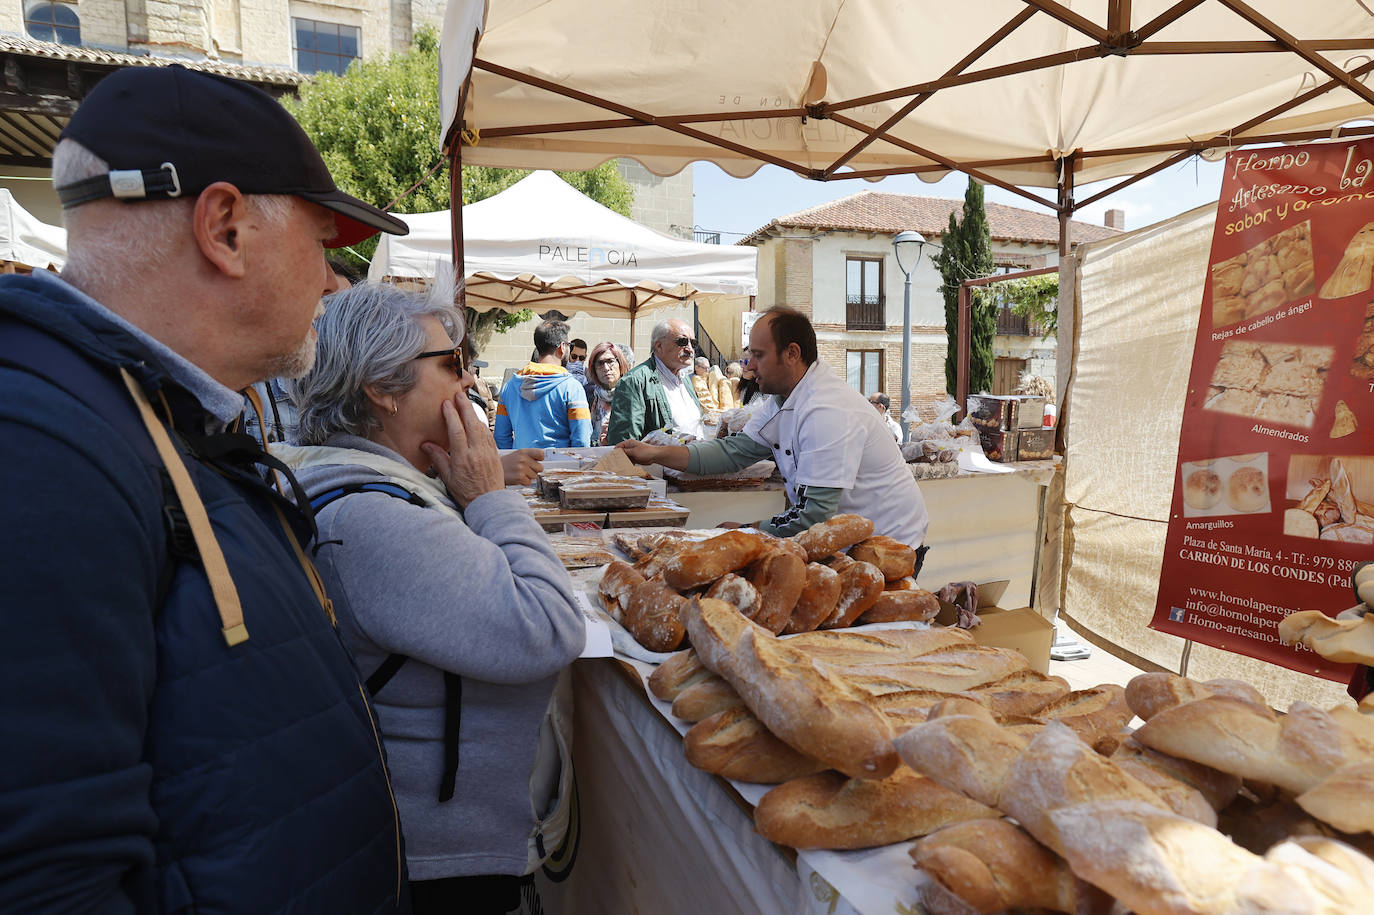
(295, 364)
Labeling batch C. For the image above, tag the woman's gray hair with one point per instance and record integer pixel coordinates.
(369, 335)
(734, 370)
(700, 361)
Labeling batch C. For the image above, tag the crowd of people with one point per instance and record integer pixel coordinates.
(315, 659)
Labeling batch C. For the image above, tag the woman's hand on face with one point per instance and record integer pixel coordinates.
(471, 465)
(521, 467)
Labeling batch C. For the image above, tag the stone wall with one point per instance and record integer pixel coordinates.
(662, 204)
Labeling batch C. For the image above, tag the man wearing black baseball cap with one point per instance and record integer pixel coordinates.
(191, 734)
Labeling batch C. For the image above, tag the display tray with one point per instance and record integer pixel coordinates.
(649, 517)
(608, 496)
(553, 521)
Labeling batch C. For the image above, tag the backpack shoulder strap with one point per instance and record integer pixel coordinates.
(391, 489)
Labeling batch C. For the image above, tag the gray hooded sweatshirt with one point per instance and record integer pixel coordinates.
(487, 600)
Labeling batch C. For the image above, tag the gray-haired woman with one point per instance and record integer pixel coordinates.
(448, 576)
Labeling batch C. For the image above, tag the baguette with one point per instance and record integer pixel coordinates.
(715, 628)
(1342, 641)
(953, 670)
(779, 578)
(839, 533)
(993, 866)
(812, 710)
(697, 564)
(964, 753)
(817, 600)
(1296, 752)
(828, 810)
(1149, 694)
(893, 606)
(1216, 787)
(1058, 770)
(1096, 715)
(653, 615)
(735, 744)
(1344, 799)
(827, 645)
(893, 558)
(860, 585)
(677, 673)
(1020, 693)
(705, 698)
(1158, 863)
(619, 579)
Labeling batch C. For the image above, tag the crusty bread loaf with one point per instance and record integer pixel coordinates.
(1182, 799)
(901, 584)
(892, 606)
(619, 579)
(1344, 799)
(1295, 752)
(654, 562)
(715, 628)
(965, 753)
(1149, 694)
(653, 616)
(704, 698)
(1342, 641)
(1257, 825)
(826, 645)
(1096, 715)
(860, 586)
(1158, 863)
(837, 561)
(677, 673)
(893, 558)
(1020, 693)
(993, 866)
(816, 601)
(953, 670)
(779, 577)
(735, 744)
(733, 589)
(1216, 787)
(814, 711)
(828, 810)
(1058, 770)
(839, 533)
(701, 563)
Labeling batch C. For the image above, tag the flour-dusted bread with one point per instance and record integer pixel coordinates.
(829, 810)
(839, 533)
(735, 744)
(817, 600)
(705, 698)
(1342, 641)
(677, 673)
(860, 586)
(697, 564)
(895, 559)
(1149, 694)
(893, 606)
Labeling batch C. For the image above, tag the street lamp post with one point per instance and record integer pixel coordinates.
(907, 246)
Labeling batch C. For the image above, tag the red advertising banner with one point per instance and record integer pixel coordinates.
(1274, 494)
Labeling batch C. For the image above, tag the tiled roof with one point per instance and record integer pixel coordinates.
(872, 211)
(18, 44)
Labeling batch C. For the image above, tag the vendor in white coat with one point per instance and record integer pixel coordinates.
(834, 451)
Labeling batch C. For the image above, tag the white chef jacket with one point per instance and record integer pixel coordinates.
(828, 434)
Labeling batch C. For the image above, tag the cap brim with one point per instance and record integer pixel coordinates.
(354, 220)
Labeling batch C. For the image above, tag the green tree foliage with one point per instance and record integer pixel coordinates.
(966, 254)
(377, 127)
(1034, 297)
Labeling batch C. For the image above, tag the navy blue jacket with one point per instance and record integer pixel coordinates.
(148, 766)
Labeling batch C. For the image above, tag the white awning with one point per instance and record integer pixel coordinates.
(27, 241)
(542, 244)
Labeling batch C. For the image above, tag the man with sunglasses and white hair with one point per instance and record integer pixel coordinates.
(657, 393)
(187, 731)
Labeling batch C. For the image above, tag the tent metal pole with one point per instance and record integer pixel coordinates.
(455, 214)
(634, 307)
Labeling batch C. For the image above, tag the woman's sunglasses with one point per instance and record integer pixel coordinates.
(456, 353)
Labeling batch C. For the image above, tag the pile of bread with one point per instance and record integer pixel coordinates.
(1028, 796)
(786, 585)
(1330, 511)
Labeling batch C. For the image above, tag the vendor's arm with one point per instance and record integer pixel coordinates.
(814, 504)
(721, 455)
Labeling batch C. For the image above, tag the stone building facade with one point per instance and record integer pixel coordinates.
(835, 263)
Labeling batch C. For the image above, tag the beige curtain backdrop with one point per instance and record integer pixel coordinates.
(1136, 304)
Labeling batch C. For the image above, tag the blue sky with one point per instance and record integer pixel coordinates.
(737, 206)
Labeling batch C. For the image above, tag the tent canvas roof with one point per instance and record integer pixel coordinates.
(1001, 89)
(542, 244)
(26, 240)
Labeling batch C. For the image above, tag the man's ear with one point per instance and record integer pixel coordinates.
(218, 222)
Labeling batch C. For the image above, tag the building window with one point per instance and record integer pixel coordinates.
(864, 370)
(863, 290)
(324, 47)
(53, 22)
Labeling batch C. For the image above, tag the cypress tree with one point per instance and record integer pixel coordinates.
(967, 254)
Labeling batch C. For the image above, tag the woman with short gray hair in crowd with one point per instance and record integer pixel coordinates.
(446, 588)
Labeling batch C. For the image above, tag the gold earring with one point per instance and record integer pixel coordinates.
(394, 408)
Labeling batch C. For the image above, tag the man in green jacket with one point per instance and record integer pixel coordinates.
(656, 394)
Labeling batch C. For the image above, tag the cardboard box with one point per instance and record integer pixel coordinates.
(1035, 445)
(999, 445)
(1021, 629)
(1007, 412)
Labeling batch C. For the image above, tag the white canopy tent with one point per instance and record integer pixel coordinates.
(26, 241)
(542, 244)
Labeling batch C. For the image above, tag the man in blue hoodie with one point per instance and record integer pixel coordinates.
(543, 405)
(187, 733)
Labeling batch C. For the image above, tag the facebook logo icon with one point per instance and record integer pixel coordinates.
(1178, 615)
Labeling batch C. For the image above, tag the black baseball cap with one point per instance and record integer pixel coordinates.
(170, 131)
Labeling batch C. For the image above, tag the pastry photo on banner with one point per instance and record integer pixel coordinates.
(1274, 495)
